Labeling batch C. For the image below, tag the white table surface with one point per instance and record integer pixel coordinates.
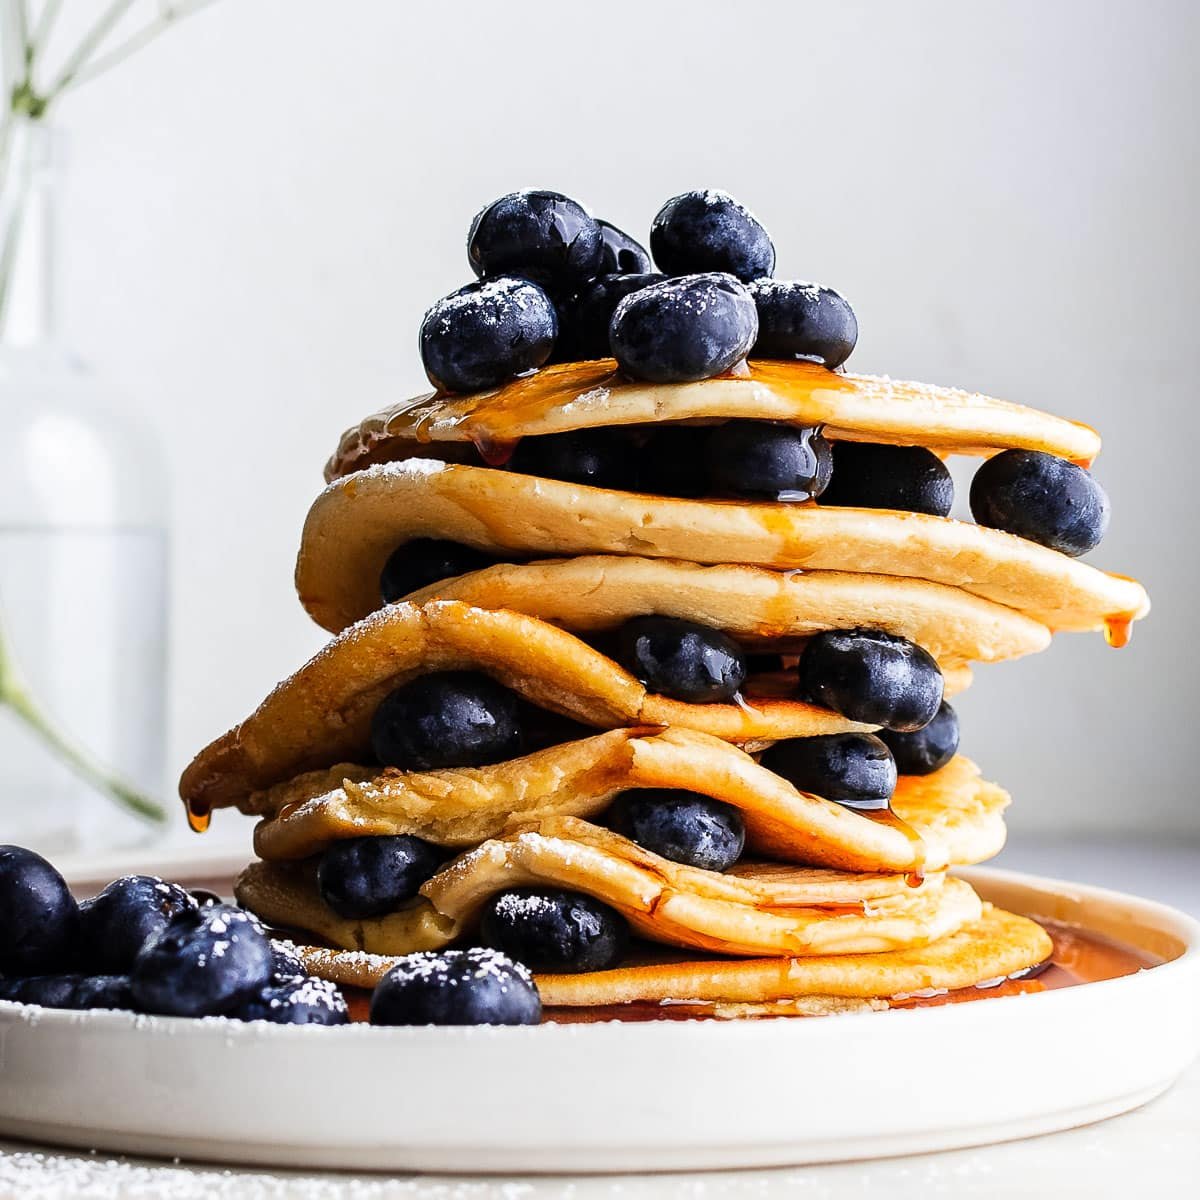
(1154, 1151)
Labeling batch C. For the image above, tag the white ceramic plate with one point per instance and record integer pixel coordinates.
(624, 1097)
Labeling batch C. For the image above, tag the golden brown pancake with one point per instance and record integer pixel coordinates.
(356, 523)
(957, 815)
(758, 607)
(997, 945)
(585, 395)
(321, 715)
(771, 911)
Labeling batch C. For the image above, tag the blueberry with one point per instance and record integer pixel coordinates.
(681, 659)
(285, 966)
(672, 461)
(38, 914)
(371, 876)
(423, 561)
(854, 769)
(925, 750)
(544, 234)
(685, 827)
(204, 897)
(50, 991)
(103, 991)
(803, 320)
(585, 318)
(871, 677)
(207, 961)
(548, 929)
(604, 457)
(70, 991)
(619, 253)
(685, 329)
(710, 231)
(765, 461)
(302, 1001)
(447, 719)
(117, 923)
(1043, 498)
(456, 987)
(905, 478)
(486, 333)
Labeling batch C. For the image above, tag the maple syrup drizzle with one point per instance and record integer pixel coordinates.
(199, 815)
(1118, 629)
(494, 452)
(813, 391)
(887, 816)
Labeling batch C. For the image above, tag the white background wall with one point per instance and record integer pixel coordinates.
(261, 206)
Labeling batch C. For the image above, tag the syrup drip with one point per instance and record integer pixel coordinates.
(887, 816)
(1118, 630)
(199, 815)
(494, 451)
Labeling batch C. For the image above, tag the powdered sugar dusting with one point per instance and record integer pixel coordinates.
(480, 963)
(74, 1175)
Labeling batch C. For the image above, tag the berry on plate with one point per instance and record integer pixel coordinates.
(116, 924)
(456, 987)
(301, 1001)
(38, 915)
(205, 962)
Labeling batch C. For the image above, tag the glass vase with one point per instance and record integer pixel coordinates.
(83, 558)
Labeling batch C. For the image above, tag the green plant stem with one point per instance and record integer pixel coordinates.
(16, 697)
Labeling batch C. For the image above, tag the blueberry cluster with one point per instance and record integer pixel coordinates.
(147, 946)
(865, 675)
(454, 719)
(556, 284)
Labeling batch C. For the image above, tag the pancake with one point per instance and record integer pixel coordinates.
(321, 715)
(957, 816)
(997, 945)
(597, 593)
(750, 914)
(585, 395)
(356, 523)
(955, 811)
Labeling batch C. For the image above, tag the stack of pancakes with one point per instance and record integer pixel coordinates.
(830, 909)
